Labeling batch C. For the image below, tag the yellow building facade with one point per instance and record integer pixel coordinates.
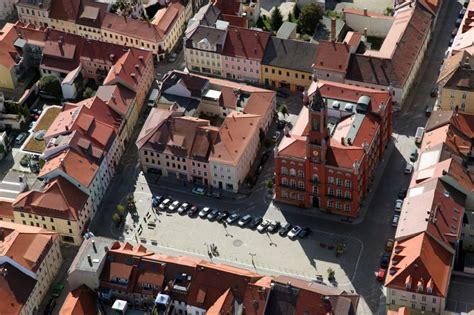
(276, 77)
(7, 78)
(451, 98)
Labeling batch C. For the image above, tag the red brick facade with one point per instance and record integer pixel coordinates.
(313, 169)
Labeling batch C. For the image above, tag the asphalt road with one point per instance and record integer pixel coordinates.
(372, 231)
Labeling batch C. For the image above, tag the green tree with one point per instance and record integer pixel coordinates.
(116, 219)
(296, 11)
(310, 18)
(50, 84)
(88, 92)
(269, 183)
(120, 210)
(276, 20)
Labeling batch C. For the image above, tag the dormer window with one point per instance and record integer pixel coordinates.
(408, 285)
(429, 290)
(419, 288)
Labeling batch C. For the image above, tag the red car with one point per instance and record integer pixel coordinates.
(381, 274)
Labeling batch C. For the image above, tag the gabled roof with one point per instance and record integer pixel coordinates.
(433, 207)
(66, 10)
(75, 165)
(245, 43)
(419, 260)
(131, 27)
(342, 156)
(166, 17)
(234, 136)
(26, 245)
(129, 68)
(59, 198)
(117, 97)
(332, 56)
(15, 289)
(451, 65)
(290, 54)
(437, 119)
(153, 122)
(213, 36)
(231, 7)
(81, 301)
(7, 49)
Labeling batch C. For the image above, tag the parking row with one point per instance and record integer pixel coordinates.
(262, 225)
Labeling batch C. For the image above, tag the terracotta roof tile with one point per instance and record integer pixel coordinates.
(26, 245)
(74, 164)
(245, 43)
(81, 301)
(6, 209)
(332, 56)
(7, 50)
(15, 289)
(419, 259)
(135, 28)
(59, 199)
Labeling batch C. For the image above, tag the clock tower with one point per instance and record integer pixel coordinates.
(318, 134)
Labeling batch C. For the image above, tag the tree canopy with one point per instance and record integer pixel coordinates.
(276, 19)
(310, 18)
(50, 84)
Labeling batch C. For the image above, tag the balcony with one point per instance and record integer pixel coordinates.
(292, 187)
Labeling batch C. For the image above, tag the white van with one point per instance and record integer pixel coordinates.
(152, 98)
(420, 132)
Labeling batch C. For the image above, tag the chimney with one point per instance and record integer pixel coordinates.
(333, 29)
(93, 246)
(342, 141)
(89, 259)
(365, 11)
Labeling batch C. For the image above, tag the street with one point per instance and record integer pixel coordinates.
(270, 253)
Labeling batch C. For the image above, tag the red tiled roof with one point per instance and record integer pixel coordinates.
(15, 289)
(131, 27)
(7, 50)
(77, 166)
(332, 56)
(81, 301)
(231, 7)
(129, 68)
(6, 209)
(245, 43)
(419, 259)
(66, 10)
(235, 20)
(169, 16)
(343, 156)
(59, 199)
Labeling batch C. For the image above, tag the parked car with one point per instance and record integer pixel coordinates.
(255, 222)
(31, 125)
(461, 13)
(204, 212)
(156, 200)
(244, 220)
(192, 211)
(232, 218)
(165, 204)
(395, 220)
(263, 226)
(34, 166)
(389, 245)
(222, 215)
(398, 205)
(304, 232)
(428, 110)
(381, 274)
(434, 91)
(273, 227)
(172, 57)
(408, 168)
(276, 136)
(173, 206)
(414, 156)
(199, 191)
(212, 216)
(20, 138)
(57, 289)
(384, 260)
(294, 232)
(402, 193)
(214, 194)
(184, 208)
(285, 229)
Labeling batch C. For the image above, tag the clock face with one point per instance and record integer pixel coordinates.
(315, 153)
